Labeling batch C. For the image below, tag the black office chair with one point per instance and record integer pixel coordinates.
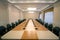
(16, 23)
(9, 27)
(2, 30)
(50, 26)
(46, 25)
(22, 20)
(13, 25)
(56, 30)
(40, 21)
(19, 21)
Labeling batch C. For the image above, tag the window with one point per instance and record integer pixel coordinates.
(41, 16)
(48, 17)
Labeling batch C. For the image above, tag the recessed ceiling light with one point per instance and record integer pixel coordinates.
(31, 12)
(31, 9)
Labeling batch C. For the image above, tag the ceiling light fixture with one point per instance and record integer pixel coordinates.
(30, 12)
(31, 9)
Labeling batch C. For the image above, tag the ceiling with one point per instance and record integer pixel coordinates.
(39, 4)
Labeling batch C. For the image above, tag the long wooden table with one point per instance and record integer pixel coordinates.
(30, 32)
(44, 33)
(21, 26)
(39, 26)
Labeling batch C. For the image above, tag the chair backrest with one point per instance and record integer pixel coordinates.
(46, 25)
(19, 21)
(22, 20)
(9, 27)
(13, 25)
(50, 26)
(2, 30)
(16, 23)
(40, 21)
(56, 30)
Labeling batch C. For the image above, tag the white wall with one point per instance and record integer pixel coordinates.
(31, 15)
(8, 13)
(13, 14)
(4, 13)
(57, 14)
(21, 14)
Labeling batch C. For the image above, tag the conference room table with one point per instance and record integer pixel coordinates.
(27, 30)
